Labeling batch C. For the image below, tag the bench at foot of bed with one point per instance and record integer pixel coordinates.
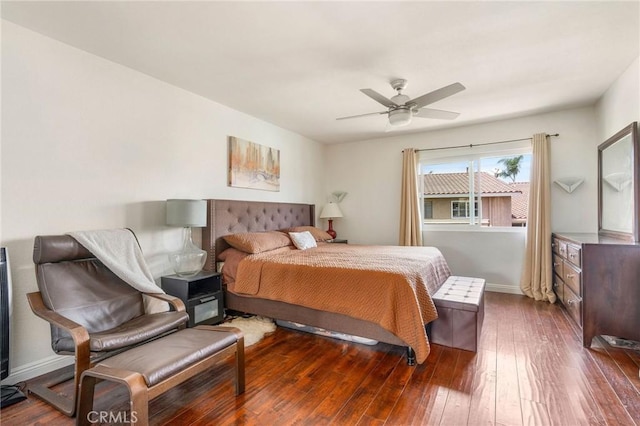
(460, 306)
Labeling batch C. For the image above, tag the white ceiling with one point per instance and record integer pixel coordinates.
(300, 65)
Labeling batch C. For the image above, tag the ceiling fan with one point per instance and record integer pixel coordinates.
(400, 109)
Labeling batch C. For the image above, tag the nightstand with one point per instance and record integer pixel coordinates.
(201, 295)
(338, 241)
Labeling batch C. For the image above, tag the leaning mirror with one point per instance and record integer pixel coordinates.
(619, 185)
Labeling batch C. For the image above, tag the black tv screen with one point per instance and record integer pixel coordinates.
(4, 313)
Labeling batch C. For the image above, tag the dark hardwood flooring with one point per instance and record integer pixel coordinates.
(531, 369)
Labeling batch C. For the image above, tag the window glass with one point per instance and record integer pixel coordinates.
(460, 209)
(428, 209)
(496, 185)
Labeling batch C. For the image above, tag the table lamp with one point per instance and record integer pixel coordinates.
(331, 211)
(187, 213)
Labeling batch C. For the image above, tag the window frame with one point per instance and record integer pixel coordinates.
(424, 206)
(456, 209)
(467, 209)
(473, 155)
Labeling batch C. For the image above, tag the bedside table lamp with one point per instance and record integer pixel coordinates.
(331, 211)
(187, 214)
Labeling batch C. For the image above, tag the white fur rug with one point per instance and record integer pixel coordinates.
(254, 328)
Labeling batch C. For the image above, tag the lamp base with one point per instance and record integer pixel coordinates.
(187, 264)
(190, 260)
(330, 231)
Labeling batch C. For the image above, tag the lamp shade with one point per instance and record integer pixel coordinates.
(400, 117)
(187, 213)
(330, 211)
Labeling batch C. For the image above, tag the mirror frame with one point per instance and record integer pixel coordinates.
(632, 131)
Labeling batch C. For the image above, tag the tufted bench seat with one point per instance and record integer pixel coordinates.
(460, 306)
(155, 367)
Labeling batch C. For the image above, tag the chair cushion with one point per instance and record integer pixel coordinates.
(78, 286)
(100, 300)
(165, 357)
(131, 332)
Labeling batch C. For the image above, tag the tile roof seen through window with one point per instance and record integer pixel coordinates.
(520, 202)
(458, 184)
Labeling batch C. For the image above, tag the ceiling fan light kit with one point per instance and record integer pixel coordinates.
(400, 108)
(400, 117)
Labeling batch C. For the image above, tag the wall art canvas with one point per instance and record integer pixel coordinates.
(252, 165)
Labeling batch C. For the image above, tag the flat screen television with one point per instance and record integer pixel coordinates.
(4, 312)
(9, 394)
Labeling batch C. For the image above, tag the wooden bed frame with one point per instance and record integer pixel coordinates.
(226, 217)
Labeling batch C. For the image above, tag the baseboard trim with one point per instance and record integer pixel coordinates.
(503, 288)
(37, 368)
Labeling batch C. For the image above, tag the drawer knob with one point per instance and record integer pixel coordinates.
(572, 255)
(555, 264)
(570, 275)
(574, 301)
(555, 285)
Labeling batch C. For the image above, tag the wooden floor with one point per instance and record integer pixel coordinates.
(531, 369)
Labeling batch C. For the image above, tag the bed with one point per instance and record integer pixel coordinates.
(229, 217)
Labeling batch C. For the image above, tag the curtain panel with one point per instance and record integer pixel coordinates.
(536, 280)
(410, 220)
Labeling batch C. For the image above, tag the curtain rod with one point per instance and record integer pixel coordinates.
(479, 144)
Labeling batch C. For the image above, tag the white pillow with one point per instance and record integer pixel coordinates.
(303, 240)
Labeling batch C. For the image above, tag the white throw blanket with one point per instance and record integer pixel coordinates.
(119, 251)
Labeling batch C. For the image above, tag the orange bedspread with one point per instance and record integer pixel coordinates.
(387, 285)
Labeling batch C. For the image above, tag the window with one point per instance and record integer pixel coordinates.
(428, 209)
(460, 209)
(495, 183)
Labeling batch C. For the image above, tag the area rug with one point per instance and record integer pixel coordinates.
(254, 328)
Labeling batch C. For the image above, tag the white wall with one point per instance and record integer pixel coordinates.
(89, 144)
(620, 105)
(370, 172)
(494, 255)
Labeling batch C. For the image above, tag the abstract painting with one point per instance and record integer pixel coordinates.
(252, 165)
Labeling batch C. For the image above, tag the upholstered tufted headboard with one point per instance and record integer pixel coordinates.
(226, 217)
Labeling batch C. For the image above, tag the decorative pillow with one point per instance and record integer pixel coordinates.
(258, 242)
(303, 240)
(317, 233)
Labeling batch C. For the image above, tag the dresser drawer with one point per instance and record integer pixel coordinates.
(562, 248)
(558, 288)
(573, 303)
(571, 277)
(574, 254)
(555, 245)
(557, 265)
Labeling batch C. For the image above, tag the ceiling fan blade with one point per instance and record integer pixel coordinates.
(361, 115)
(379, 98)
(436, 95)
(436, 113)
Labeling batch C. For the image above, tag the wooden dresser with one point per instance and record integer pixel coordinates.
(597, 279)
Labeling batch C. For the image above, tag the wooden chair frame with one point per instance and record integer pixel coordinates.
(84, 358)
